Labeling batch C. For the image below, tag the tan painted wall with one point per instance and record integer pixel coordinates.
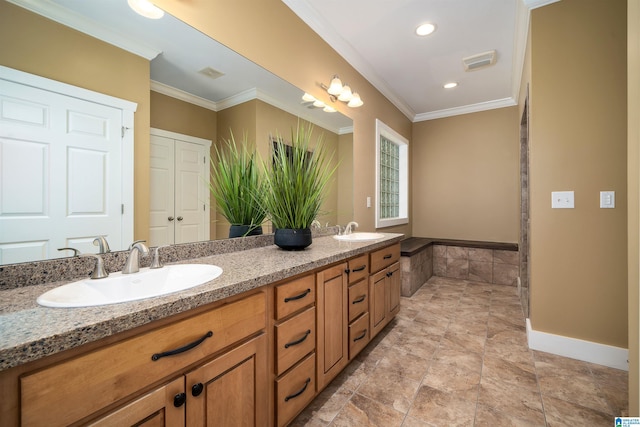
(275, 38)
(578, 142)
(466, 176)
(633, 181)
(59, 53)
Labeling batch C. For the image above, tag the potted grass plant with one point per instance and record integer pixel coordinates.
(237, 186)
(295, 184)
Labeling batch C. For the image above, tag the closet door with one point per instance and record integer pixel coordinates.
(179, 190)
(161, 191)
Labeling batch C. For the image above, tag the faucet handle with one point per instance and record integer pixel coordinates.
(98, 272)
(75, 251)
(155, 257)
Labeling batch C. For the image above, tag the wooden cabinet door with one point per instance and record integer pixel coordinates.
(231, 390)
(333, 322)
(165, 406)
(377, 301)
(394, 289)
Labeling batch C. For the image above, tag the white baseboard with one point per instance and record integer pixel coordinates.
(587, 351)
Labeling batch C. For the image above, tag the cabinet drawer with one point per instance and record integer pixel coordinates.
(384, 257)
(104, 376)
(295, 390)
(358, 299)
(295, 295)
(358, 268)
(358, 335)
(295, 338)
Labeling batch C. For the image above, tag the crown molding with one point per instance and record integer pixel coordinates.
(80, 23)
(183, 96)
(534, 4)
(472, 108)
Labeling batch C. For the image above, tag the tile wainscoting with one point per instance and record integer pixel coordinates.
(486, 262)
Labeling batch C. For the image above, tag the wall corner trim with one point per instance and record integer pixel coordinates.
(587, 351)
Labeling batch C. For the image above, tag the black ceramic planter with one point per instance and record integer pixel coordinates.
(292, 239)
(244, 230)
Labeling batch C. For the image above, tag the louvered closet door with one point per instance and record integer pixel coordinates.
(60, 173)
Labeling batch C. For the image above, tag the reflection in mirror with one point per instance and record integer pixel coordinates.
(199, 89)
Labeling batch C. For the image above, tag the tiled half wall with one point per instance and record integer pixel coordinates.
(485, 262)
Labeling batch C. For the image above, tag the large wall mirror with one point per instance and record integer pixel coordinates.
(184, 83)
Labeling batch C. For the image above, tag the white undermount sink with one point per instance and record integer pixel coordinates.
(120, 287)
(359, 236)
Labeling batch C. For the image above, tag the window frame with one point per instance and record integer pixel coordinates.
(383, 130)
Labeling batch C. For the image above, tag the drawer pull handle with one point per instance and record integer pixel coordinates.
(346, 270)
(179, 399)
(364, 334)
(359, 299)
(296, 342)
(390, 273)
(387, 256)
(297, 297)
(299, 392)
(182, 349)
(359, 268)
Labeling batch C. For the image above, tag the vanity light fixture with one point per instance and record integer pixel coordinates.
(146, 9)
(450, 85)
(342, 92)
(313, 102)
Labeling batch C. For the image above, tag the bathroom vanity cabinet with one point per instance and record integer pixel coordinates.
(254, 359)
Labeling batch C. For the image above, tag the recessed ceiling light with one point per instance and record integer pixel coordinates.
(425, 29)
(146, 9)
(450, 85)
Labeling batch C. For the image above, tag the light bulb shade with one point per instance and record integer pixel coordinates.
(308, 98)
(336, 86)
(318, 103)
(328, 109)
(355, 101)
(345, 95)
(146, 9)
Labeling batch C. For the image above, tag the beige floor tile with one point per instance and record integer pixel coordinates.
(576, 388)
(362, 411)
(442, 409)
(515, 374)
(452, 379)
(405, 364)
(390, 389)
(512, 400)
(561, 413)
(491, 417)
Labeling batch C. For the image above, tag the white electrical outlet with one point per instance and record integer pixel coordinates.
(608, 199)
(562, 200)
(368, 202)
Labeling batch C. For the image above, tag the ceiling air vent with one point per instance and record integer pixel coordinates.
(212, 73)
(481, 60)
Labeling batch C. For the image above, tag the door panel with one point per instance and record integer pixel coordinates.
(60, 173)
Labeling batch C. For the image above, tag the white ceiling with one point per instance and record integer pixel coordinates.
(377, 37)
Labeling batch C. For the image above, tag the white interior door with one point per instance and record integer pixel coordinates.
(179, 190)
(61, 173)
(161, 192)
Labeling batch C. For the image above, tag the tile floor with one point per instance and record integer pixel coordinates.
(457, 355)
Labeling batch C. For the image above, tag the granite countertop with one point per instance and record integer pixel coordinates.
(29, 332)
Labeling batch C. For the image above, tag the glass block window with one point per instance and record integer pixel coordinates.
(392, 177)
(389, 179)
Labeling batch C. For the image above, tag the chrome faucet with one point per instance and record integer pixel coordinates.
(155, 256)
(348, 229)
(103, 245)
(133, 261)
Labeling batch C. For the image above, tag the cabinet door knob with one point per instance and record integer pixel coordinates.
(170, 218)
(197, 389)
(179, 399)
(180, 218)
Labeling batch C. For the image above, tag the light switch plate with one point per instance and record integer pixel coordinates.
(562, 200)
(608, 199)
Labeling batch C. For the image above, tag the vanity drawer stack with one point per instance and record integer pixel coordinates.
(295, 345)
(359, 331)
